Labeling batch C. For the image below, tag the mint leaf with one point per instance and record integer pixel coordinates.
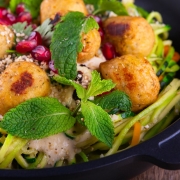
(66, 42)
(81, 92)
(98, 122)
(93, 2)
(102, 6)
(98, 86)
(37, 118)
(114, 100)
(32, 5)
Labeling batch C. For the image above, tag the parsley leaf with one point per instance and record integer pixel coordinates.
(66, 42)
(46, 31)
(37, 118)
(102, 6)
(98, 122)
(22, 28)
(114, 100)
(32, 5)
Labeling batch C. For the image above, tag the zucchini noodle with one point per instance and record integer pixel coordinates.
(15, 152)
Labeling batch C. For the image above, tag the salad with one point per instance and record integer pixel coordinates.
(82, 80)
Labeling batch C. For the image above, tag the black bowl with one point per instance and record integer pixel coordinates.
(161, 150)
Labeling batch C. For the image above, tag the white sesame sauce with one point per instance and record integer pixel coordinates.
(56, 147)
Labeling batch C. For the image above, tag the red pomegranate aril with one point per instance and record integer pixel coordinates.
(52, 68)
(41, 53)
(20, 8)
(4, 22)
(10, 17)
(3, 12)
(25, 46)
(101, 32)
(98, 20)
(24, 16)
(34, 26)
(35, 36)
(108, 51)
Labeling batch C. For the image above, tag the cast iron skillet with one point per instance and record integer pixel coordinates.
(161, 150)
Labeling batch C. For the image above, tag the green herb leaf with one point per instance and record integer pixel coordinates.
(81, 92)
(22, 28)
(98, 122)
(37, 118)
(98, 86)
(32, 5)
(66, 42)
(3, 3)
(114, 100)
(102, 6)
(45, 29)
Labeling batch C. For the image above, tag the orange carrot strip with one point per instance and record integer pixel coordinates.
(176, 57)
(136, 134)
(166, 50)
(160, 78)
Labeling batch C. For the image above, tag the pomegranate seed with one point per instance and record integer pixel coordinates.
(34, 26)
(101, 32)
(35, 36)
(10, 18)
(25, 46)
(41, 53)
(52, 68)
(98, 20)
(3, 12)
(4, 22)
(24, 16)
(108, 51)
(20, 8)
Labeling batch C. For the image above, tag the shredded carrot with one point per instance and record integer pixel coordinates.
(176, 57)
(136, 134)
(160, 78)
(166, 50)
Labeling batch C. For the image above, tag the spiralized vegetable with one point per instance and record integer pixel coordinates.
(15, 152)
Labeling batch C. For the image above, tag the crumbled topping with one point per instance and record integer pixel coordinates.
(6, 33)
(84, 75)
(8, 59)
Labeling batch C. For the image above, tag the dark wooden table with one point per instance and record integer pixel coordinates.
(156, 173)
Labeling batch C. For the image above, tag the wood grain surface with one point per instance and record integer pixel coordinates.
(156, 173)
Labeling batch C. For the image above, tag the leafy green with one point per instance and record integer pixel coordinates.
(98, 122)
(37, 118)
(3, 3)
(41, 117)
(102, 6)
(96, 87)
(95, 118)
(22, 28)
(32, 5)
(114, 100)
(66, 42)
(45, 29)
(81, 92)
